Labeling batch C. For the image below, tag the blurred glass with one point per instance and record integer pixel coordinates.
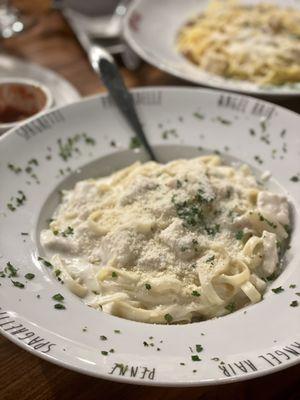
(11, 22)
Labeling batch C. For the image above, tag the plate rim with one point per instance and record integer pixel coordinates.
(118, 379)
(124, 379)
(129, 37)
(202, 89)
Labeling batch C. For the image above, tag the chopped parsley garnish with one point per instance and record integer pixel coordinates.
(16, 201)
(271, 224)
(212, 230)
(282, 133)
(265, 138)
(18, 284)
(223, 121)
(88, 139)
(295, 178)
(2, 274)
(284, 147)
(114, 274)
(168, 318)
(59, 306)
(191, 214)
(277, 290)
(294, 303)
(135, 143)
(258, 159)
(195, 357)
(239, 235)
(113, 143)
(29, 276)
(112, 350)
(165, 134)
(198, 115)
(195, 293)
(145, 344)
(292, 286)
(57, 272)
(11, 207)
(252, 132)
(10, 270)
(178, 184)
(199, 348)
(20, 200)
(104, 353)
(297, 293)
(67, 149)
(58, 297)
(68, 231)
(14, 168)
(231, 307)
(148, 286)
(181, 363)
(272, 277)
(24, 233)
(210, 259)
(203, 198)
(45, 262)
(102, 337)
(117, 331)
(263, 125)
(33, 161)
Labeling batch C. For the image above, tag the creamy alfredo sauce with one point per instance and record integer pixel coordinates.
(188, 240)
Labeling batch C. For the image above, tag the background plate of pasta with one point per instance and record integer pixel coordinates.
(246, 46)
(179, 272)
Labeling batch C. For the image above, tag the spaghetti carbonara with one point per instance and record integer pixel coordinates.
(259, 43)
(180, 242)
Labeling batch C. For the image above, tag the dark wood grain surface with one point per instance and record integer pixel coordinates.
(25, 377)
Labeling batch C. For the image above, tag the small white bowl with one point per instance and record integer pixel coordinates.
(21, 99)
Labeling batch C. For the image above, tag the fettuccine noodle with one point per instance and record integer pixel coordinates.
(189, 240)
(258, 43)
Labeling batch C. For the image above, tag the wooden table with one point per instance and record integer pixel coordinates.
(25, 377)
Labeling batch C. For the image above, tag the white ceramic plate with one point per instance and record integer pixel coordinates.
(151, 27)
(62, 91)
(238, 346)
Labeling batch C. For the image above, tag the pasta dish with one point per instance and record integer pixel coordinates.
(169, 243)
(258, 43)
